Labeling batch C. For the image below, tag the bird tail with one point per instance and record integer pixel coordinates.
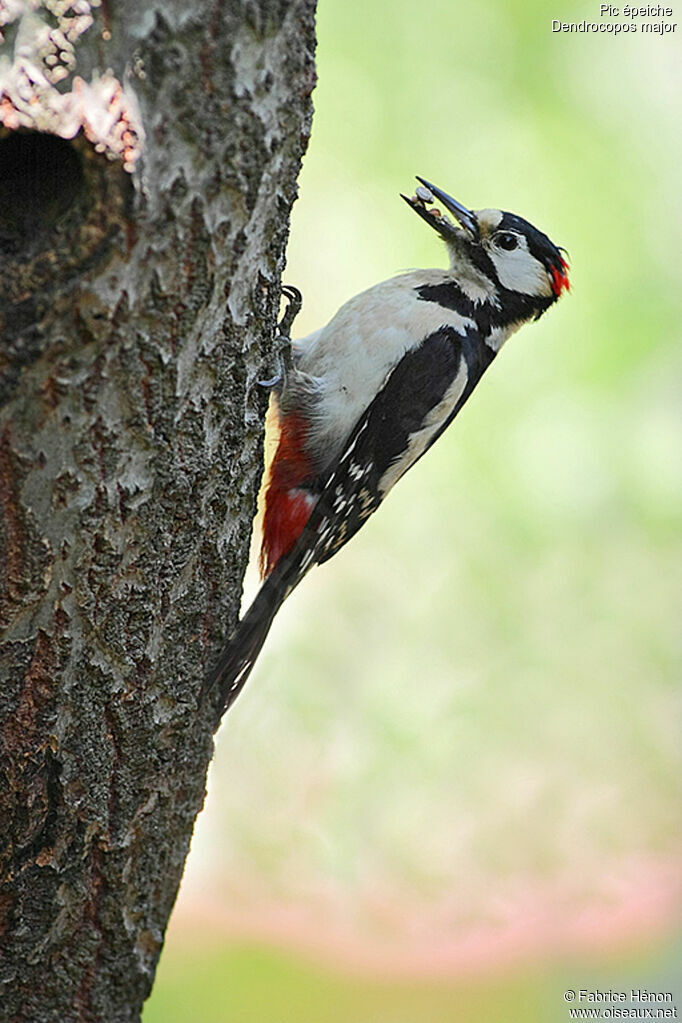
(226, 680)
(239, 655)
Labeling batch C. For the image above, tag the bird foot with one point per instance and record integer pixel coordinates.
(283, 334)
(294, 302)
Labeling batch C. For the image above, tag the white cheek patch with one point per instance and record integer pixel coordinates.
(520, 271)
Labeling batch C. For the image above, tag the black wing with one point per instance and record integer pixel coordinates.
(418, 401)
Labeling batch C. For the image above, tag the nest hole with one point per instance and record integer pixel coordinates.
(41, 178)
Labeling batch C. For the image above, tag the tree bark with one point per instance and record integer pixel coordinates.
(142, 234)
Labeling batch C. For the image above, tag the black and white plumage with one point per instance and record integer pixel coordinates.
(364, 398)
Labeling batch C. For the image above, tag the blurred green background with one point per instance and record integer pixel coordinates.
(450, 789)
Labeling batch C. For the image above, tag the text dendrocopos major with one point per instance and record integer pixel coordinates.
(362, 399)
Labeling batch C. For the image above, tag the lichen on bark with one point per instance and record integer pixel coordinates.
(139, 285)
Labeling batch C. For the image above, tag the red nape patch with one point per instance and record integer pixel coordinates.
(560, 278)
(287, 504)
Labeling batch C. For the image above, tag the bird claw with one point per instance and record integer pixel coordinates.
(295, 301)
(273, 381)
(284, 359)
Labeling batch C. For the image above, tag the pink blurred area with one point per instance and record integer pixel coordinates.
(524, 922)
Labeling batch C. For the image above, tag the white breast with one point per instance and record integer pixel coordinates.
(351, 357)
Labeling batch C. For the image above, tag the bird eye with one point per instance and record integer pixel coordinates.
(506, 240)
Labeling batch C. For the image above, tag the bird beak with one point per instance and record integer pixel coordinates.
(443, 225)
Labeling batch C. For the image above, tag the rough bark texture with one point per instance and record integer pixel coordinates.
(138, 291)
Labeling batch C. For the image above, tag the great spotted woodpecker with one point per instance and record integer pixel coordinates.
(362, 399)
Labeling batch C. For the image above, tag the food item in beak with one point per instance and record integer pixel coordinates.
(424, 194)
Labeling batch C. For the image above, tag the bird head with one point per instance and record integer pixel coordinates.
(501, 253)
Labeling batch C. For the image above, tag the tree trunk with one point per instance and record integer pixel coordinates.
(142, 235)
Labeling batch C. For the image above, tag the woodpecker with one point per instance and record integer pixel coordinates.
(361, 400)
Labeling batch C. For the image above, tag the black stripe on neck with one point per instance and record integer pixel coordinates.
(513, 306)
